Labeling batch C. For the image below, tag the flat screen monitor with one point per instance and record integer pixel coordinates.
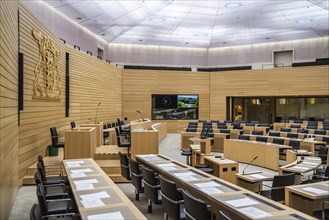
(187, 101)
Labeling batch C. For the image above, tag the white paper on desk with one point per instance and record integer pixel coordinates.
(92, 203)
(106, 216)
(169, 168)
(257, 176)
(254, 212)
(75, 161)
(85, 181)
(184, 174)
(73, 165)
(299, 168)
(242, 202)
(82, 170)
(187, 178)
(77, 175)
(95, 196)
(312, 158)
(309, 163)
(147, 155)
(315, 190)
(166, 165)
(84, 186)
(211, 190)
(207, 184)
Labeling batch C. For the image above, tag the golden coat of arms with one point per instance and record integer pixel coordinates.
(47, 82)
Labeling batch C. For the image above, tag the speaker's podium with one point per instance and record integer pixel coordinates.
(202, 147)
(80, 143)
(99, 131)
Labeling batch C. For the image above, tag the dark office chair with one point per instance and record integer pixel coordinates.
(295, 144)
(136, 177)
(227, 121)
(326, 139)
(292, 135)
(322, 153)
(151, 188)
(120, 143)
(214, 121)
(302, 130)
(221, 126)
(207, 125)
(124, 164)
(279, 141)
(223, 216)
(195, 208)
(324, 212)
(35, 214)
(202, 121)
(193, 123)
(225, 131)
(72, 124)
(172, 199)
(114, 124)
(295, 126)
(257, 133)
(285, 129)
(261, 139)
(54, 206)
(50, 180)
(311, 127)
(187, 154)
(244, 137)
(298, 121)
(191, 129)
(54, 138)
(325, 127)
(277, 192)
(250, 124)
(274, 134)
(50, 169)
(318, 176)
(320, 132)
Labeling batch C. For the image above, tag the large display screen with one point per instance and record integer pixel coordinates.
(175, 107)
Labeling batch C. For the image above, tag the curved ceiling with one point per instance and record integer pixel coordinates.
(199, 24)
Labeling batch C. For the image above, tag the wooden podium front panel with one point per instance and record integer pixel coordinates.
(80, 143)
(139, 124)
(99, 132)
(185, 143)
(144, 142)
(161, 128)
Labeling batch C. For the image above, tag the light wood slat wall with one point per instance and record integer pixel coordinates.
(93, 81)
(8, 105)
(139, 85)
(297, 81)
(37, 116)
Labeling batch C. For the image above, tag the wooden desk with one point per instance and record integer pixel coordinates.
(250, 129)
(253, 181)
(216, 192)
(144, 142)
(185, 142)
(219, 138)
(161, 128)
(300, 166)
(96, 194)
(80, 143)
(307, 197)
(205, 146)
(291, 155)
(244, 151)
(223, 168)
(112, 136)
(140, 124)
(99, 132)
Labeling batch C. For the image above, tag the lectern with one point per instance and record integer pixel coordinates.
(80, 143)
(99, 132)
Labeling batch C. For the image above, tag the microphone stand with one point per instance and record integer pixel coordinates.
(140, 114)
(97, 112)
(249, 164)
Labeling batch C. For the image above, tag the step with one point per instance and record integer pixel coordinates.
(28, 180)
(109, 152)
(110, 166)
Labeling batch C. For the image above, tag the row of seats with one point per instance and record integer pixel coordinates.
(177, 203)
(302, 120)
(325, 127)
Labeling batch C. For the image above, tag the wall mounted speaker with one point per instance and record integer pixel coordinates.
(67, 85)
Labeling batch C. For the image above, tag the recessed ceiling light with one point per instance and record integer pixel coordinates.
(140, 40)
(103, 34)
(186, 42)
(304, 21)
(233, 5)
(224, 42)
(201, 35)
(78, 18)
(157, 20)
(267, 38)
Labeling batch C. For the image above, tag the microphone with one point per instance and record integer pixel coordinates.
(97, 112)
(249, 164)
(141, 114)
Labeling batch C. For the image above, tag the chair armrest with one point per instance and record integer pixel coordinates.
(267, 186)
(58, 200)
(63, 195)
(52, 185)
(62, 214)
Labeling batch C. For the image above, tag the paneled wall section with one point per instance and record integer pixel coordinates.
(139, 85)
(8, 105)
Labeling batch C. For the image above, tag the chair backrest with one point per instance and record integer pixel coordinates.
(225, 131)
(244, 137)
(285, 129)
(190, 129)
(113, 124)
(312, 123)
(264, 125)
(214, 121)
(35, 212)
(192, 126)
(228, 121)
(321, 132)
(250, 124)
(195, 208)
(40, 159)
(311, 126)
(207, 125)
(325, 127)
(298, 121)
(295, 126)
(295, 144)
(119, 122)
(278, 141)
(151, 184)
(41, 199)
(279, 182)
(221, 126)
(292, 135)
(54, 135)
(302, 130)
(117, 132)
(323, 151)
(136, 174)
(72, 124)
(171, 198)
(257, 132)
(261, 138)
(274, 134)
(223, 216)
(124, 163)
(202, 121)
(326, 139)
(41, 171)
(37, 178)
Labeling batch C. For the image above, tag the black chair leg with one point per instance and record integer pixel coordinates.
(149, 206)
(136, 194)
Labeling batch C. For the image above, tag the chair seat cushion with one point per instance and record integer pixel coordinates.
(125, 144)
(207, 170)
(186, 153)
(201, 166)
(59, 207)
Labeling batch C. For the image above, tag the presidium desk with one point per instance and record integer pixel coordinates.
(145, 136)
(237, 202)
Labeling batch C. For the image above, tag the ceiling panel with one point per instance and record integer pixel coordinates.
(201, 24)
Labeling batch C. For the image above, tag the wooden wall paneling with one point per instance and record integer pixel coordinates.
(38, 115)
(93, 81)
(298, 81)
(139, 85)
(8, 105)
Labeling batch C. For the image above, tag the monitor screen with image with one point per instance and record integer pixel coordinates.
(187, 101)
